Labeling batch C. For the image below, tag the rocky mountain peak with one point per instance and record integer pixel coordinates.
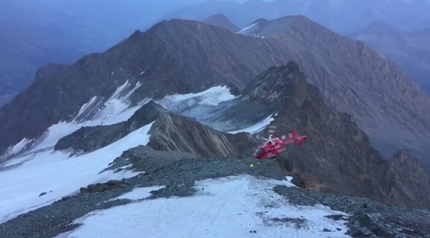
(279, 84)
(379, 25)
(260, 21)
(221, 20)
(279, 26)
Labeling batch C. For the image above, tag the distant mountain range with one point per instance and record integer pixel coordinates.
(343, 17)
(23, 51)
(222, 21)
(409, 49)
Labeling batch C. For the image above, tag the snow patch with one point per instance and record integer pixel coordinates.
(116, 109)
(225, 207)
(23, 144)
(139, 193)
(212, 97)
(200, 106)
(54, 171)
(87, 105)
(249, 30)
(258, 127)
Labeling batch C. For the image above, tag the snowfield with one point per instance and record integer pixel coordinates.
(57, 175)
(37, 168)
(227, 207)
(256, 127)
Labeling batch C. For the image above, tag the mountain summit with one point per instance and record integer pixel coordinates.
(221, 20)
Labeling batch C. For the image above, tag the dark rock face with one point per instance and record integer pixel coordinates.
(169, 132)
(176, 133)
(103, 187)
(365, 224)
(337, 156)
(405, 179)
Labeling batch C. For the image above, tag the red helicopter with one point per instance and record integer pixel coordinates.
(273, 146)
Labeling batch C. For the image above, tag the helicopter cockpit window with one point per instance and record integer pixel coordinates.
(259, 152)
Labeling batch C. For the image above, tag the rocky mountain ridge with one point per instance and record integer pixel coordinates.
(193, 56)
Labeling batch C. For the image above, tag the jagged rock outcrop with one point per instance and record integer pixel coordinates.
(169, 132)
(405, 177)
(221, 20)
(337, 157)
(190, 56)
(182, 134)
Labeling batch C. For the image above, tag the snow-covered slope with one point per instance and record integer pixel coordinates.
(234, 206)
(34, 167)
(57, 175)
(208, 107)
